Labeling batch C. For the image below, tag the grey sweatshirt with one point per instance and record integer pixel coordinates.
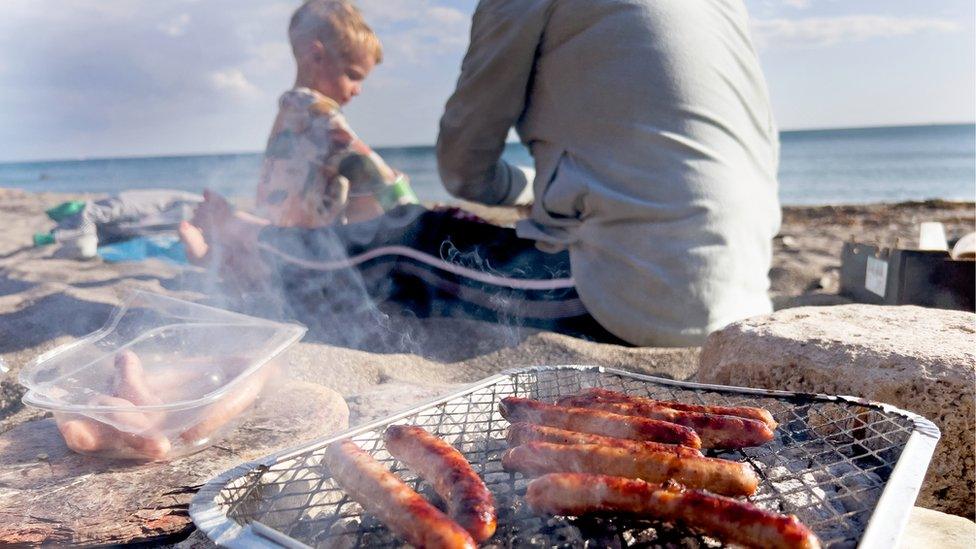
(655, 153)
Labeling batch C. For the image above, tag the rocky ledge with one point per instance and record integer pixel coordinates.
(921, 360)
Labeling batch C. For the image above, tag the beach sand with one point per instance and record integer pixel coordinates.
(46, 301)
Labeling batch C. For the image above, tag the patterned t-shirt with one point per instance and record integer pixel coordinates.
(299, 184)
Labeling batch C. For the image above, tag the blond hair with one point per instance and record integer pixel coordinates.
(338, 25)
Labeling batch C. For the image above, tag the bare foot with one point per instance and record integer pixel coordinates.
(225, 239)
(193, 242)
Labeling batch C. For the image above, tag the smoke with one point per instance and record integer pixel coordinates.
(510, 308)
(354, 287)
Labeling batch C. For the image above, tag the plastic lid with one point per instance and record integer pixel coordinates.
(172, 337)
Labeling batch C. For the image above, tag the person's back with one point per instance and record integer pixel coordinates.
(655, 151)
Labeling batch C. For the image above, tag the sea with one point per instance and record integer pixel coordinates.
(832, 166)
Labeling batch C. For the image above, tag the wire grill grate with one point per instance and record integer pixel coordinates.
(829, 464)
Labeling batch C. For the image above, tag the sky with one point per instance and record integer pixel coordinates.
(106, 78)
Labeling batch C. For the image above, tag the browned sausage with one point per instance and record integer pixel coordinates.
(381, 493)
(721, 476)
(748, 412)
(597, 422)
(726, 519)
(520, 433)
(468, 500)
(716, 431)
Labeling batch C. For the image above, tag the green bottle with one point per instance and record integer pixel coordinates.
(43, 239)
(65, 210)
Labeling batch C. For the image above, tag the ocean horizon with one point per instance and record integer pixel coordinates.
(817, 166)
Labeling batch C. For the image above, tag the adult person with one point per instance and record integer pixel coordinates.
(654, 190)
(655, 152)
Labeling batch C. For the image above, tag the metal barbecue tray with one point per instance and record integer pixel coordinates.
(850, 469)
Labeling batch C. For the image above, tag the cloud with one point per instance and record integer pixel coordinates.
(179, 65)
(234, 82)
(414, 31)
(798, 4)
(827, 31)
(175, 26)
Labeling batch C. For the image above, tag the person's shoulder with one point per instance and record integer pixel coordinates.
(309, 101)
(324, 107)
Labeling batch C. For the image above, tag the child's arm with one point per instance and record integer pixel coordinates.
(374, 186)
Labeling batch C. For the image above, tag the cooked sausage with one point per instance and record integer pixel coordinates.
(520, 433)
(721, 476)
(716, 431)
(402, 510)
(748, 412)
(468, 500)
(597, 422)
(726, 519)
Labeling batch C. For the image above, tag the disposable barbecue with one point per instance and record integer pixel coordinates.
(845, 468)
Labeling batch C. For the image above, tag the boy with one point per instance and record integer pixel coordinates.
(427, 263)
(316, 170)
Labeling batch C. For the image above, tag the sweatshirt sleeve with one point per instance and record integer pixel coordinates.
(489, 99)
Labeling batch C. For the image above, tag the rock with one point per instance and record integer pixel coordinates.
(830, 281)
(67, 498)
(928, 528)
(922, 360)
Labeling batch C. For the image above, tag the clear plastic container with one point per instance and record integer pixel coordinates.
(163, 378)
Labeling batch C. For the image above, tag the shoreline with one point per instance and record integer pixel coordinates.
(783, 132)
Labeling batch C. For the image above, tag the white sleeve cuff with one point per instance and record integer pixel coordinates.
(520, 186)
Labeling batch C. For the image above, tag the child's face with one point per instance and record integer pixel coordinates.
(343, 79)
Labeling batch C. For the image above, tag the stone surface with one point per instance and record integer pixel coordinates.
(50, 495)
(928, 528)
(922, 360)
